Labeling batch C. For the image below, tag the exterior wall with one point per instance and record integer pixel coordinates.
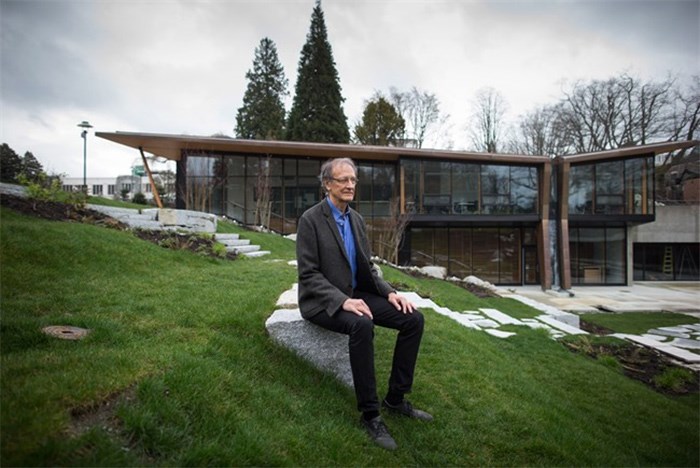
(675, 223)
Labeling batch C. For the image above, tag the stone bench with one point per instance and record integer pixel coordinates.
(326, 350)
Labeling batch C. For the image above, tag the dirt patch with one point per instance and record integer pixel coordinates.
(643, 364)
(101, 415)
(57, 211)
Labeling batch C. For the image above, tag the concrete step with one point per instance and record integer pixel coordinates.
(243, 249)
(226, 236)
(257, 253)
(233, 242)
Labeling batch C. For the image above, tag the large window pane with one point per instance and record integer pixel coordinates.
(460, 252)
(382, 189)
(421, 246)
(523, 189)
(411, 185)
(587, 255)
(485, 254)
(363, 190)
(437, 196)
(609, 178)
(495, 189)
(581, 189)
(465, 188)
(509, 256)
(615, 256)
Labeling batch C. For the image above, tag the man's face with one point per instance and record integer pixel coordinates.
(341, 188)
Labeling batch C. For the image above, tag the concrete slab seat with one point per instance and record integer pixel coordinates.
(325, 350)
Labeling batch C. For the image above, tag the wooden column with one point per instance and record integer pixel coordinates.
(563, 247)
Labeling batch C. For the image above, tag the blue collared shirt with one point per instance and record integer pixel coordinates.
(342, 220)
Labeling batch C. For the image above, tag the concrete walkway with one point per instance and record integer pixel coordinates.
(682, 297)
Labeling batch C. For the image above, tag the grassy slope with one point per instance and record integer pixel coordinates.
(187, 334)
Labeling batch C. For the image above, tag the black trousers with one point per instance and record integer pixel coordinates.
(361, 346)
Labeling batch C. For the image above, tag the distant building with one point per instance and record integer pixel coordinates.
(507, 219)
(123, 187)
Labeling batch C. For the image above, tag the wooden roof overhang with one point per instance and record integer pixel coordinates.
(627, 152)
(172, 146)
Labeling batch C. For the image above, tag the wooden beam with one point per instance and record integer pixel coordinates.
(150, 179)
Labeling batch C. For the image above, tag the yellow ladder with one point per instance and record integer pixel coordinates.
(668, 260)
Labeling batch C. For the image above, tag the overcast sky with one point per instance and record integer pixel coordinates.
(167, 66)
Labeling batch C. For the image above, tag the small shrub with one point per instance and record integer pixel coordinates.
(610, 361)
(674, 378)
(46, 188)
(139, 198)
(219, 249)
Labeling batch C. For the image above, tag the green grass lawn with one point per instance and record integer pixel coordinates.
(179, 349)
(637, 322)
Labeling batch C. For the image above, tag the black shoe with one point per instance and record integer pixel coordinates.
(379, 433)
(407, 409)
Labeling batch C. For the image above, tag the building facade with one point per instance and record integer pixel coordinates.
(507, 219)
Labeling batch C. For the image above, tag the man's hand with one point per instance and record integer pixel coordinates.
(357, 307)
(401, 303)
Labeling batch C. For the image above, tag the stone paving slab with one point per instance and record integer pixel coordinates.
(554, 323)
(500, 317)
(678, 353)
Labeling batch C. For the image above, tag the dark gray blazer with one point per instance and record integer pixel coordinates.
(325, 278)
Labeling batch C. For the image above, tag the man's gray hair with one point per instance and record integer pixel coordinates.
(328, 166)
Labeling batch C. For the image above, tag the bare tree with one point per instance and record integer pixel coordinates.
(620, 111)
(421, 112)
(263, 206)
(539, 133)
(391, 235)
(487, 128)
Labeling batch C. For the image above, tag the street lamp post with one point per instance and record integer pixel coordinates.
(84, 125)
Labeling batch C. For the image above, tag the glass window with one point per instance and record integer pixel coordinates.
(509, 256)
(437, 190)
(598, 255)
(485, 256)
(382, 189)
(309, 167)
(666, 262)
(111, 189)
(495, 189)
(97, 189)
(465, 188)
(235, 198)
(523, 189)
(615, 256)
(411, 185)
(460, 252)
(363, 190)
(609, 177)
(235, 165)
(201, 166)
(581, 189)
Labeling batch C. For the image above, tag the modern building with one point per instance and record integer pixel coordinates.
(507, 219)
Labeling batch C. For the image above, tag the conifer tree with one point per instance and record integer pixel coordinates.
(317, 112)
(381, 125)
(262, 116)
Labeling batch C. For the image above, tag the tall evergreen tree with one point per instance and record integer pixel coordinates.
(317, 112)
(31, 167)
(10, 164)
(262, 115)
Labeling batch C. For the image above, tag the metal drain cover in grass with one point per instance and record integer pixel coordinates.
(65, 332)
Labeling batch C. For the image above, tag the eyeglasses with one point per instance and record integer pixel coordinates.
(346, 180)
